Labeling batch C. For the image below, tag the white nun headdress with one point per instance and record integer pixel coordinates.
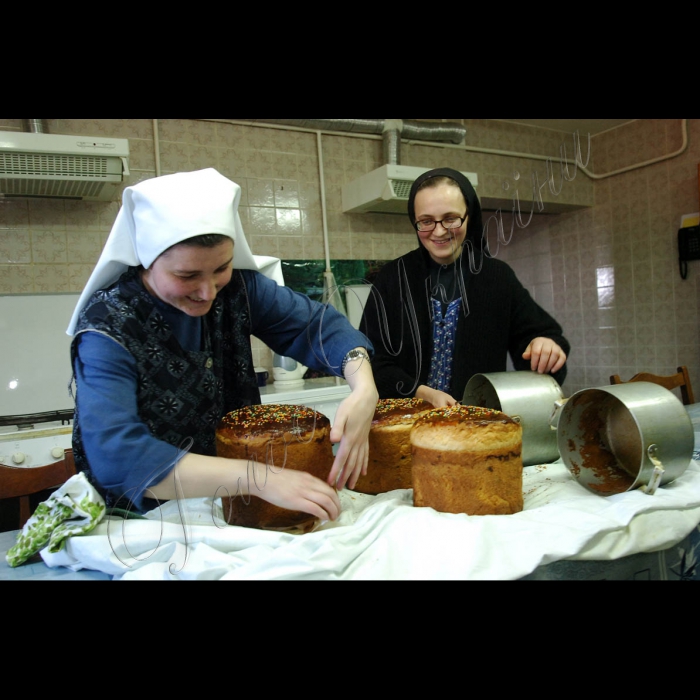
(160, 212)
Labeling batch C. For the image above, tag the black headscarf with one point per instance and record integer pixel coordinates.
(474, 225)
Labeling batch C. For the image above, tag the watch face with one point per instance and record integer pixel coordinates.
(353, 355)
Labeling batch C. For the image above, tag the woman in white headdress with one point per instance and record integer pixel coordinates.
(161, 351)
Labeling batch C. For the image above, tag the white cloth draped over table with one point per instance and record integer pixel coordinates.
(385, 538)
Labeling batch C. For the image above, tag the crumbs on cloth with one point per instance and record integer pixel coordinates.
(73, 509)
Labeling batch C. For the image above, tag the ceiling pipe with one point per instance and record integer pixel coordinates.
(34, 126)
(410, 128)
(392, 141)
(391, 130)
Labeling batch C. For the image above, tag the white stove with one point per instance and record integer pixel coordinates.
(35, 405)
(34, 447)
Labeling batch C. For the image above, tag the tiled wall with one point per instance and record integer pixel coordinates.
(608, 272)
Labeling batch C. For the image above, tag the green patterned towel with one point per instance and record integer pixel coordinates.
(73, 509)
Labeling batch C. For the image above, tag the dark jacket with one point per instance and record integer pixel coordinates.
(501, 318)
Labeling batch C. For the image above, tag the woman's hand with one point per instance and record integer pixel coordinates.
(353, 420)
(296, 490)
(435, 397)
(203, 476)
(544, 355)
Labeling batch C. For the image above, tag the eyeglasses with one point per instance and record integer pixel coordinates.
(450, 222)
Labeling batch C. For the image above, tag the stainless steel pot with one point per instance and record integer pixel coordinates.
(626, 436)
(527, 397)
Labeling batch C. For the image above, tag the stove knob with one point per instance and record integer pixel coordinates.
(57, 452)
(18, 458)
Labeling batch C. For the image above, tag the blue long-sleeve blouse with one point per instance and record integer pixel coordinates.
(123, 455)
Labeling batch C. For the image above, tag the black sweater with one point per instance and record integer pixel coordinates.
(501, 318)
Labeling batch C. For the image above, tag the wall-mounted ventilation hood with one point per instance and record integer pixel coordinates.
(65, 167)
(385, 190)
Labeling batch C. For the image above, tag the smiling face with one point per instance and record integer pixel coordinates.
(443, 201)
(189, 277)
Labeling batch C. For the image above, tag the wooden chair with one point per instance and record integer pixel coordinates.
(680, 380)
(23, 482)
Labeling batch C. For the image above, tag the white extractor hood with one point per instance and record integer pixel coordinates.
(385, 190)
(59, 166)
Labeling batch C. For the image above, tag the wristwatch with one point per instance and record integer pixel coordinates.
(353, 355)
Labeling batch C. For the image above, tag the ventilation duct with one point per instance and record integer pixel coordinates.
(385, 190)
(37, 164)
(411, 130)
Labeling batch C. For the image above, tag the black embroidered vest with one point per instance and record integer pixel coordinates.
(181, 394)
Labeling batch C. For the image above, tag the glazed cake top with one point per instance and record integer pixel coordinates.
(460, 413)
(273, 418)
(399, 409)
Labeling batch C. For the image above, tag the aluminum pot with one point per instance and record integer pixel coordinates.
(527, 397)
(625, 436)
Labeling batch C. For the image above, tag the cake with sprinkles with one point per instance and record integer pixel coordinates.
(389, 463)
(467, 459)
(272, 437)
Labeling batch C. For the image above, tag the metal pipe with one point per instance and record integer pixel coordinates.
(392, 147)
(35, 126)
(411, 129)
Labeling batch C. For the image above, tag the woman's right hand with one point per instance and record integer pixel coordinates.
(435, 397)
(297, 490)
(200, 476)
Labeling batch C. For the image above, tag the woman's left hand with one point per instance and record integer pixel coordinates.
(353, 420)
(544, 355)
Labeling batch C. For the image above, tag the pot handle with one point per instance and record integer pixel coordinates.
(656, 475)
(556, 413)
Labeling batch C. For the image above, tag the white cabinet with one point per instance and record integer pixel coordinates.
(323, 395)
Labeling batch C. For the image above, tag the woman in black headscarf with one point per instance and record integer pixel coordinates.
(448, 310)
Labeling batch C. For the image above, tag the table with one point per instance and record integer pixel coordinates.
(36, 569)
(564, 532)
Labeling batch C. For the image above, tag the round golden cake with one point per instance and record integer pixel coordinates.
(273, 437)
(467, 459)
(389, 462)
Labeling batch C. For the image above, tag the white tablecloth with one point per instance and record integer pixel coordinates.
(385, 537)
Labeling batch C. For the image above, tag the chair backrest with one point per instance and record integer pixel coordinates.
(680, 380)
(23, 482)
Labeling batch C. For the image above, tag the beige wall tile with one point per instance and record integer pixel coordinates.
(78, 276)
(233, 163)
(51, 279)
(16, 279)
(83, 216)
(47, 213)
(84, 247)
(174, 130)
(203, 156)
(314, 248)
(293, 247)
(312, 222)
(288, 222)
(261, 193)
(13, 214)
(49, 247)
(262, 221)
(266, 245)
(15, 246)
(174, 157)
(286, 193)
